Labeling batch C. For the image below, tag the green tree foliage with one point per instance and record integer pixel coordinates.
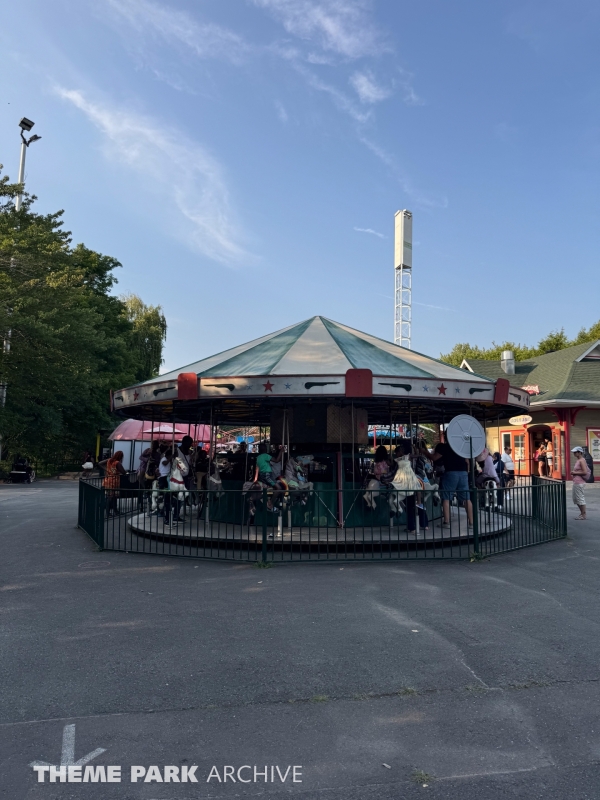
(71, 339)
(148, 335)
(555, 340)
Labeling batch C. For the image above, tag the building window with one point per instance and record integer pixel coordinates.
(519, 449)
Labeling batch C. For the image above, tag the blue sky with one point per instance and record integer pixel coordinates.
(244, 159)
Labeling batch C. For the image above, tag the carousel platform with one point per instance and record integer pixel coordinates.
(196, 531)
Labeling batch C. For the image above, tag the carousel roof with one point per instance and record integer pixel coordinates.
(317, 358)
(318, 346)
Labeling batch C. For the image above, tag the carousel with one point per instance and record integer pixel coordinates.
(314, 391)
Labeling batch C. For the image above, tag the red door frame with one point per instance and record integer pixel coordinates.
(552, 426)
(525, 466)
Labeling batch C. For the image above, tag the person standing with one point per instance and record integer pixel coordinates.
(455, 480)
(488, 470)
(541, 459)
(87, 463)
(164, 473)
(581, 473)
(148, 462)
(201, 467)
(590, 462)
(112, 480)
(408, 486)
(549, 457)
(509, 470)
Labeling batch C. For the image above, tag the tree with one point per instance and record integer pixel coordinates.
(555, 340)
(148, 335)
(71, 340)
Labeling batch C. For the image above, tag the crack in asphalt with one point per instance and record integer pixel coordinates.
(406, 692)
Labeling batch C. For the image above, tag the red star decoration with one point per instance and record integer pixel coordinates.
(442, 389)
(268, 386)
(135, 396)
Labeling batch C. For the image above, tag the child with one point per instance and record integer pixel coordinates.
(264, 472)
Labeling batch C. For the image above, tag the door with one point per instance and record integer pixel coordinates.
(520, 454)
(517, 441)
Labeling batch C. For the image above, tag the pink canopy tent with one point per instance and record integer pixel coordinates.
(135, 430)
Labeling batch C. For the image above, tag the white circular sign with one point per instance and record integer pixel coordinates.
(523, 419)
(465, 436)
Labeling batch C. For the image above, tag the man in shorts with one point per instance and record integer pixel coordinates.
(455, 480)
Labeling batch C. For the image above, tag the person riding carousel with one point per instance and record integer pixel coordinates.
(264, 470)
(382, 475)
(297, 480)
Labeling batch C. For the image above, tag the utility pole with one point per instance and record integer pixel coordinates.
(25, 125)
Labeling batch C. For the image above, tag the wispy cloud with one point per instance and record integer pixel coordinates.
(409, 96)
(370, 230)
(205, 39)
(281, 112)
(439, 308)
(341, 100)
(320, 33)
(342, 27)
(416, 196)
(367, 88)
(182, 173)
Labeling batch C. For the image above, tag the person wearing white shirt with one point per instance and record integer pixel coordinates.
(509, 467)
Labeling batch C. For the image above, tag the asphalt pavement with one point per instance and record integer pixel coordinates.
(375, 680)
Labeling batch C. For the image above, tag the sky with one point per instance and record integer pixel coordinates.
(244, 159)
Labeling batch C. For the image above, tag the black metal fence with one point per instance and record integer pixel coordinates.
(321, 525)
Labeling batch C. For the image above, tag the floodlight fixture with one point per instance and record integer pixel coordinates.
(26, 125)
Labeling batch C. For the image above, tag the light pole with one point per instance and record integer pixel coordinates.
(25, 125)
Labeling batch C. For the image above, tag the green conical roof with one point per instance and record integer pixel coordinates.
(318, 346)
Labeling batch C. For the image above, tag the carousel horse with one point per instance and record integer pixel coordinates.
(254, 492)
(297, 481)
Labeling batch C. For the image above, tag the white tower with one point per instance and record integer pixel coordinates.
(403, 276)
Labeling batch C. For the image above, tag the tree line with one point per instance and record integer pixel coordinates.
(68, 339)
(555, 340)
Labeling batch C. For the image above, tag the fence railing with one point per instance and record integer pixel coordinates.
(263, 525)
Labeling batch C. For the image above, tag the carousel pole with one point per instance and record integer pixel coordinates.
(210, 456)
(340, 476)
(353, 465)
(289, 514)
